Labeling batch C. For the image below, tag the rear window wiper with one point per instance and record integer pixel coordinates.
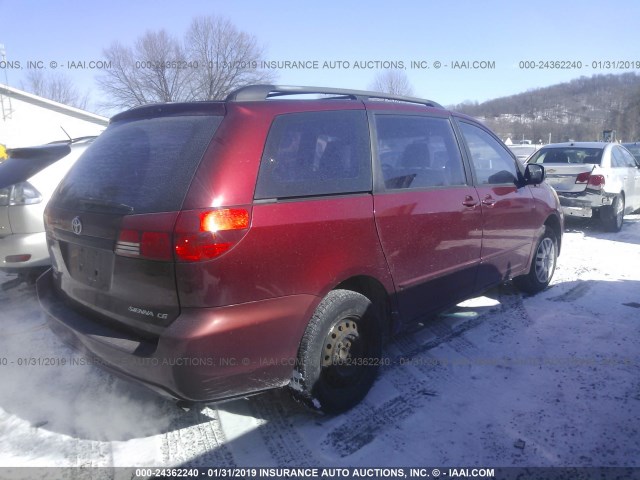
(102, 204)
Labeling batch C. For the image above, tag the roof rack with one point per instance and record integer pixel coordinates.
(256, 93)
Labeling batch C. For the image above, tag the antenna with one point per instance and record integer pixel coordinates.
(65, 132)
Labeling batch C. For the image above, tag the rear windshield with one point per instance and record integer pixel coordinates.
(143, 165)
(568, 155)
(24, 163)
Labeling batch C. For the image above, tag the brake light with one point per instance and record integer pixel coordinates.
(583, 177)
(147, 236)
(187, 236)
(596, 181)
(226, 219)
(205, 234)
(22, 193)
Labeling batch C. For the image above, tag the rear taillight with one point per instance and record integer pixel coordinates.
(583, 177)
(5, 193)
(595, 181)
(205, 234)
(147, 236)
(22, 193)
(188, 236)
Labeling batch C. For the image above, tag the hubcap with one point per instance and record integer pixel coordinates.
(545, 260)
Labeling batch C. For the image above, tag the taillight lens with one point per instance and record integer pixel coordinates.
(205, 234)
(596, 181)
(188, 236)
(583, 177)
(147, 236)
(22, 193)
(5, 193)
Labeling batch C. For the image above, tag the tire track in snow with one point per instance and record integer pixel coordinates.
(355, 434)
(284, 443)
(413, 373)
(90, 454)
(573, 294)
(196, 439)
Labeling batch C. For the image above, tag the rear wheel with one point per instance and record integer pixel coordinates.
(613, 216)
(340, 353)
(542, 266)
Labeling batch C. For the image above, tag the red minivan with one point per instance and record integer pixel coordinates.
(212, 250)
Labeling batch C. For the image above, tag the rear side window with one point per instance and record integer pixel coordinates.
(491, 161)
(621, 158)
(635, 151)
(418, 152)
(145, 164)
(316, 153)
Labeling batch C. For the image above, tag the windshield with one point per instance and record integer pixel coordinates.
(569, 155)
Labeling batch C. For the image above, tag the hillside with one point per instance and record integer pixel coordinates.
(578, 110)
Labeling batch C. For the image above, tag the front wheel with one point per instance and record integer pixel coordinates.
(542, 266)
(340, 353)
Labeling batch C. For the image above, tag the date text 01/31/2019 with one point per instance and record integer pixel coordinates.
(578, 64)
(314, 472)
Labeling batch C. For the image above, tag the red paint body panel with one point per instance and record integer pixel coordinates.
(295, 247)
(508, 232)
(204, 354)
(430, 234)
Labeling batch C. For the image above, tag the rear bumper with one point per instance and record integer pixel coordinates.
(32, 244)
(204, 355)
(582, 204)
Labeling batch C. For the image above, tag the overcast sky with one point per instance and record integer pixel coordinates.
(501, 32)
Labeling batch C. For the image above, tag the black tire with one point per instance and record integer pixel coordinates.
(340, 353)
(543, 264)
(612, 217)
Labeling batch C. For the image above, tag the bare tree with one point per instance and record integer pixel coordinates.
(155, 69)
(226, 57)
(55, 86)
(216, 58)
(394, 82)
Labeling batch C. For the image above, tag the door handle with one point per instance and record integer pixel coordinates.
(469, 201)
(489, 201)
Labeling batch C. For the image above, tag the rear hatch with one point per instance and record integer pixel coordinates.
(23, 163)
(110, 222)
(568, 169)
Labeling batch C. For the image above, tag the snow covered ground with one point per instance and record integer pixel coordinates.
(502, 380)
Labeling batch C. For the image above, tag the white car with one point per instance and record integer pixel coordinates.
(27, 180)
(592, 179)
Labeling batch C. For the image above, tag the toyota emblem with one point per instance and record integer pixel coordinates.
(76, 225)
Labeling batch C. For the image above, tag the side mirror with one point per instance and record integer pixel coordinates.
(534, 174)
